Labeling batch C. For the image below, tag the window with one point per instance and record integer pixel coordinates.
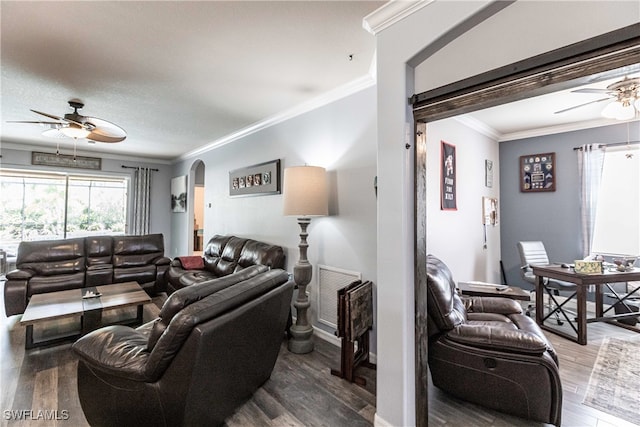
(41, 205)
(617, 226)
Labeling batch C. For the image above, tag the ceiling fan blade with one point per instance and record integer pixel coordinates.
(591, 90)
(582, 105)
(39, 122)
(105, 131)
(51, 116)
(62, 119)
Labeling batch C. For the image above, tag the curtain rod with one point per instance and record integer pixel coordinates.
(613, 144)
(135, 167)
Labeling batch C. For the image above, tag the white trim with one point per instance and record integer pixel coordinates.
(390, 13)
(378, 421)
(478, 126)
(350, 88)
(550, 130)
(332, 339)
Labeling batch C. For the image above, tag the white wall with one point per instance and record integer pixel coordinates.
(457, 237)
(522, 30)
(341, 137)
(12, 157)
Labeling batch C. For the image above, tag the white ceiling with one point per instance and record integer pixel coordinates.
(178, 76)
(175, 75)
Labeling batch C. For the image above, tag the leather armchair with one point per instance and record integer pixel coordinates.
(486, 351)
(211, 348)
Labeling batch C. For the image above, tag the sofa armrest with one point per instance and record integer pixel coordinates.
(496, 305)
(176, 263)
(500, 339)
(118, 350)
(19, 274)
(162, 261)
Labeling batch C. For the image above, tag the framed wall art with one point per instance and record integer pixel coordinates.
(256, 180)
(448, 177)
(179, 194)
(538, 172)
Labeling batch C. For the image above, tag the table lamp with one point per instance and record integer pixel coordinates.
(305, 196)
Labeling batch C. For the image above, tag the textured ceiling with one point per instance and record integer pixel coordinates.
(175, 75)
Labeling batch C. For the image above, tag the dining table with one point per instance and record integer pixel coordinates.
(578, 321)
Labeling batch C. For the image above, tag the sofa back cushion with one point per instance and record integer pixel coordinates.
(52, 257)
(137, 251)
(446, 309)
(99, 250)
(254, 252)
(213, 251)
(230, 256)
(206, 309)
(185, 296)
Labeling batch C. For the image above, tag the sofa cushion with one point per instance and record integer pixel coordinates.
(51, 257)
(203, 310)
(185, 296)
(229, 258)
(213, 251)
(133, 251)
(254, 252)
(99, 250)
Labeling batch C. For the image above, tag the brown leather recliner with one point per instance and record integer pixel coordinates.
(212, 347)
(486, 351)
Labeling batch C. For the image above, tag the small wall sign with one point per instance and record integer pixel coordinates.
(256, 180)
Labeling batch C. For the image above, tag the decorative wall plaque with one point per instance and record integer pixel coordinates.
(66, 161)
(538, 172)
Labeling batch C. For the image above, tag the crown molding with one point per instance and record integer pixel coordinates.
(350, 88)
(478, 126)
(390, 13)
(569, 127)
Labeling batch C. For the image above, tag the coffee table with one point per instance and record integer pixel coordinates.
(65, 304)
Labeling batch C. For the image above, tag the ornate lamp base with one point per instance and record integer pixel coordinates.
(301, 341)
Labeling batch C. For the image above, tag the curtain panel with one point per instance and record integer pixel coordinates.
(590, 165)
(141, 201)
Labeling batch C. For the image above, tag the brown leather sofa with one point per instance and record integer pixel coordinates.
(223, 255)
(486, 351)
(212, 347)
(57, 265)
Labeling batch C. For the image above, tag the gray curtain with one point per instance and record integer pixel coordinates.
(590, 164)
(141, 201)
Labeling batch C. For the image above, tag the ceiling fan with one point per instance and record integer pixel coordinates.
(76, 126)
(624, 96)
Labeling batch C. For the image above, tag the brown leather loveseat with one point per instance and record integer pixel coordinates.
(486, 351)
(56, 265)
(223, 255)
(212, 347)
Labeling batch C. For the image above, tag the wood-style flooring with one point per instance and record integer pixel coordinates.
(301, 391)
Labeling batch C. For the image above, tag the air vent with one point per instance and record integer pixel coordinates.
(330, 279)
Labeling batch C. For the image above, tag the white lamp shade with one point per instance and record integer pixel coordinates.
(618, 110)
(305, 191)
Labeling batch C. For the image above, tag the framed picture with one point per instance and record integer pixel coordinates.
(488, 173)
(179, 194)
(538, 172)
(448, 177)
(256, 180)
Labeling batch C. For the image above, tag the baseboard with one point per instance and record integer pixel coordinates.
(378, 421)
(331, 338)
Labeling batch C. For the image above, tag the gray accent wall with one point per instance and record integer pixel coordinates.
(552, 217)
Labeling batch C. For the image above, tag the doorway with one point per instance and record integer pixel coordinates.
(197, 223)
(562, 68)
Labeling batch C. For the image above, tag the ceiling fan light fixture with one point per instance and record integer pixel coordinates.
(75, 131)
(637, 104)
(619, 111)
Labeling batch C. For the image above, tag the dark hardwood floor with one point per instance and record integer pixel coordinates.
(301, 391)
